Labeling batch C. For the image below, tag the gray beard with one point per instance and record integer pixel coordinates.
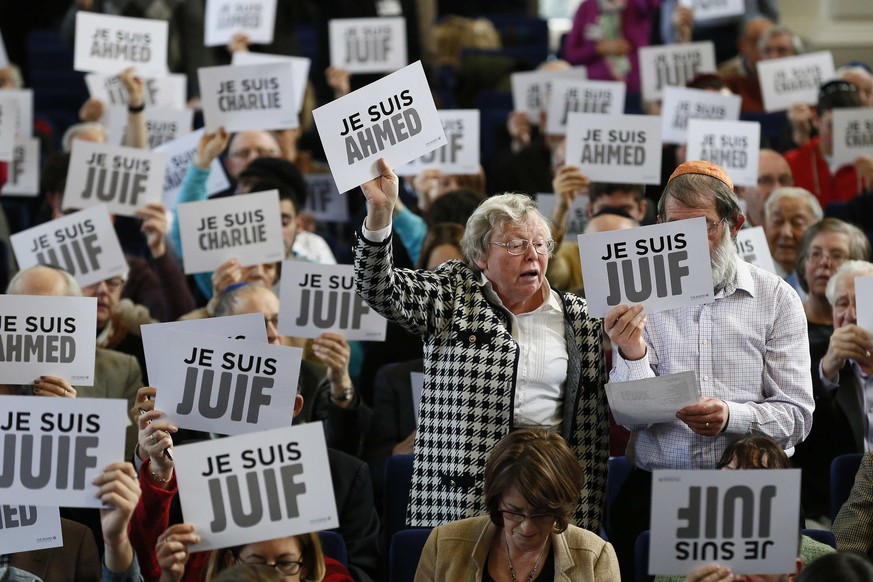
(724, 259)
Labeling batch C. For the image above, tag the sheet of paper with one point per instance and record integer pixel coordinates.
(651, 400)
(299, 69)
(29, 527)
(324, 202)
(577, 216)
(752, 246)
(180, 155)
(733, 145)
(23, 170)
(224, 18)
(460, 155)
(864, 302)
(852, 134)
(791, 80)
(572, 96)
(416, 382)
(8, 128)
(673, 65)
(110, 44)
(680, 104)
(368, 45)
(162, 124)
(710, 9)
(531, 89)
(166, 91)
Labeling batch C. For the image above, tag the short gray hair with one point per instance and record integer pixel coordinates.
(793, 192)
(494, 212)
(696, 190)
(796, 41)
(73, 289)
(859, 244)
(855, 268)
(74, 130)
(229, 299)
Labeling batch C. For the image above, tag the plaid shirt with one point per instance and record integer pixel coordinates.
(853, 526)
(749, 348)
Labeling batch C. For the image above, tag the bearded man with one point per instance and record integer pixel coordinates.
(748, 347)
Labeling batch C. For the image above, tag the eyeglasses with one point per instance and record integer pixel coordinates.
(816, 255)
(284, 567)
(113, 284)
(259, 152)
(771, 181)
(711, 226)
(519, 246)
(541, 519)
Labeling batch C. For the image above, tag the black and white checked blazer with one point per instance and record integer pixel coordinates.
(470, 361)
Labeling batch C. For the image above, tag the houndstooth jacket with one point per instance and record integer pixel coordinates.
(470, 361)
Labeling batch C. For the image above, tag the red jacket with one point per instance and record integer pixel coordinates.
(811, 171)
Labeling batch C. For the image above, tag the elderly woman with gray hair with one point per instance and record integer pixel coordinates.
(502, 350)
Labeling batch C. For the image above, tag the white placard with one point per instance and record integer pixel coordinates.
(29, 527)
(752, 246)
(712, 9)
(791, 80)
(323, 201)
(248, 227)
(8, 128)
(59, 446)
(124, 179)
(180, 155)
(24, 100)
(110, 44)
(531, 89)
(23, 170)
(249, 326)
(460, 155)
(168, 91)
(733, 145)
(600, 97)
(4, 58)
(673, 65)
(416, 384)
(368, 45)
(577, 216)
(225, 18)
(49, 336)
(662, 266)
(247, 97)
(316, 298)
(615, 148)
(679, 104)
(651, 400)
(393, 118)
(223, 385)
(745, 520)
(83, 243)
(864, 302)
(237, 490)
(299, 69)
(853, 134)
(162, 124)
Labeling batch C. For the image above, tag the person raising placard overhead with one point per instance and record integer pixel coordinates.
(502, 350)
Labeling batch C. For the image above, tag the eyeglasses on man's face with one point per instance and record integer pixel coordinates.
(519, 246)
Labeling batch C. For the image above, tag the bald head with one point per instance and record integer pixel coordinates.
(40, 280)
(608, 222)
(748, 43)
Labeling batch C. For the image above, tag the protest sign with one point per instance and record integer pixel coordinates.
(246, 97)
(162, 124)
(23, 170)
(48, 335)
(853, 134)
(577, 216)
(109, 44)
(393, 118)
(55, 447)
(752, 246)
(566, 96)
(224, 18)
(83, 243)
(460, 155)
(167, 91)
(299, 69)
(223, 385)
(180, 155)
(663, 266)
(673, 65)
(318, 298)
(24, 110)
(864, 302)
(733, 145)
(745, 520)
(368, 45)
(711, 9)
(28, 527)
(4, 58)
(791, 80)
(615, 148)
(324, 201)
(8, 128)
(249, 326)
(679, 104)
(248, 227)
(531, 89)
(124, 179)
(651, 400)
(238, 491)
(416, 383)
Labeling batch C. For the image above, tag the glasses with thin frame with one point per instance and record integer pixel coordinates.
(540, 519)
(519, 246)
(712, 226)
(284, 567)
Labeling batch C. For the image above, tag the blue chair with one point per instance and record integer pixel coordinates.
(617, 471)
(334, 546)
(822, 536)
(398, 481)
(406, 546)
(641, 558)
(843, 469)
